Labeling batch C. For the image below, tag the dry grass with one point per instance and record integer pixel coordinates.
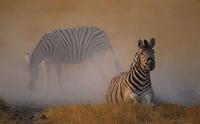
(4, 115)
(108, 114)
(122, 114)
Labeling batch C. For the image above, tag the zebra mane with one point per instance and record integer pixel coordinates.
(136, 56)
(135, 59)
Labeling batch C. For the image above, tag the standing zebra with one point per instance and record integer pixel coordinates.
(70, 46)
(135, 84)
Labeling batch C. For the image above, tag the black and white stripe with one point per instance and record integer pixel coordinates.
(135, 84)
(71, 45)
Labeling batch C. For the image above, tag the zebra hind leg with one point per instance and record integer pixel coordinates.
(97, 60)
(47, 68)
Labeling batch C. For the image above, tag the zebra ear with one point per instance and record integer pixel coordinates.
(152, 43)
(140, 44)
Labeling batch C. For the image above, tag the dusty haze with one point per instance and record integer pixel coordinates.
(173, 23)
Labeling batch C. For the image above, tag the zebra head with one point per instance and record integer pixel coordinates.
(145, 56)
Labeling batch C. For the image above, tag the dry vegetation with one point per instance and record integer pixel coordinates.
(4, 113)
(105, 114)
(121, 114)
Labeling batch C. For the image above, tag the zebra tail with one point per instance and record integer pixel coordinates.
(116, 59)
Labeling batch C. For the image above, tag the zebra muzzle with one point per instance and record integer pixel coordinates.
(150, 63)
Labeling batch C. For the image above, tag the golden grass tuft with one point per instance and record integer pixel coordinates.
(122, 114)
(125, 113)
(193, 114)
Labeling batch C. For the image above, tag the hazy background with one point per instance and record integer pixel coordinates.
(173, 23)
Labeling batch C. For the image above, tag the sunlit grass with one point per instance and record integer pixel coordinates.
(128, 113)
(122, 114)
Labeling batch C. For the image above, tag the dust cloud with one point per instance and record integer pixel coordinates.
(174, 24)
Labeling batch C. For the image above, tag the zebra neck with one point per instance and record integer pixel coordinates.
(140, 71)
(139, 80)
(139, 76)
(36, 58)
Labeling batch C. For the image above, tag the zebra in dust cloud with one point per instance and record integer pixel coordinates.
(135, 84)
(68, 46)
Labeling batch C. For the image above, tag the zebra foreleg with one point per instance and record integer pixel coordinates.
(133, 98)
(130, 96)
(59, 76)
(148, 98)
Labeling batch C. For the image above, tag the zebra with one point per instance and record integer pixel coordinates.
(68, 46)
(135, 84)
(46, 69)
